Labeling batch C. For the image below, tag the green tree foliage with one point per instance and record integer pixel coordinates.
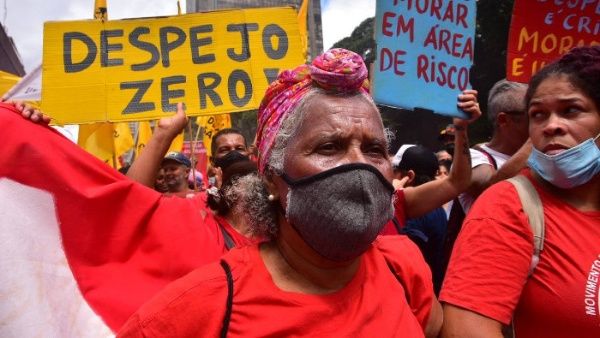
(491, 41)
(362, 41)
(245, 122)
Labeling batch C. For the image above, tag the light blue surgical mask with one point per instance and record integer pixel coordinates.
(570, 168)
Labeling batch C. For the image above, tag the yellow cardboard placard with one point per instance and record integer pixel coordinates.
(212, 125)
(138, 69)
(7, 81)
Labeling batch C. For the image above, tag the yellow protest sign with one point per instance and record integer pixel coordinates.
(7, 81)
(144, 135)
(211, 126)
(177, 143)
(123, 139)
(138, 69)
(97, 139)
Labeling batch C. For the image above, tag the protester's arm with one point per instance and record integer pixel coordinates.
(428, 196)
(459, 322)
(434, 323)
(145, 167)
(484, 175)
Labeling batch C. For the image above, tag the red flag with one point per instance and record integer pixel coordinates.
(83, 246)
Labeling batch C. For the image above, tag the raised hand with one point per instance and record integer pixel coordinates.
(467, 102)
(173, 125)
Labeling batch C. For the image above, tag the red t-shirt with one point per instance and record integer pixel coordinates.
(217, 223)
(238, 239)
(372, 304)
(488, 272)
(399, 212)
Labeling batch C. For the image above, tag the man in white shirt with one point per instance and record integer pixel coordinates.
(507, 152)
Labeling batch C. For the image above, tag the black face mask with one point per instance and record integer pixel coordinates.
(339, 212)
(229, 159)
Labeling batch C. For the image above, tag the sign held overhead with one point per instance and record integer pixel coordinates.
(424, 53)
(124, 70)
(541, 31)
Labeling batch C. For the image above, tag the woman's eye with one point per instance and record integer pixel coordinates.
(375, 150)
(327, 147)
(535, 114)
(572, 110)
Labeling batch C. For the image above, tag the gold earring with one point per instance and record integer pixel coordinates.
(271, 197)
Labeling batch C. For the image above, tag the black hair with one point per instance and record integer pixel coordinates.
(421, 161)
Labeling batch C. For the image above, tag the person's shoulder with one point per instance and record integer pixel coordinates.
(497, 155)
(399, 251)
(403, 255)
(203, 281)
(478, 158)
(397, 243)
(495, 201)
(177, 309)
(500, 189)
(199, 291)
(499, 193)
(498, 208)
(404, 259)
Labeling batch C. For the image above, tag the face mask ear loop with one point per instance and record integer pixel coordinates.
(287, 179)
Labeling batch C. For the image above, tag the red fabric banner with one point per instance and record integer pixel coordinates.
(121, 242)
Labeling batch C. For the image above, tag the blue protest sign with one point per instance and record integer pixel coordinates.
(424, 53)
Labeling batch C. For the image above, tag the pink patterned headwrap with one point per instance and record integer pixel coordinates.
(337, 71)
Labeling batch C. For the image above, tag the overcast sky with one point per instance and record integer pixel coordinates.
(24, 19)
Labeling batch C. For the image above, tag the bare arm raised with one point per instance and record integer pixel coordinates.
(145, 167)
(428, 196)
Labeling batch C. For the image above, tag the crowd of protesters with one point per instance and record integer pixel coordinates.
(322, 223)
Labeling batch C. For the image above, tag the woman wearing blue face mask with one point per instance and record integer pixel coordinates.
(491, 279)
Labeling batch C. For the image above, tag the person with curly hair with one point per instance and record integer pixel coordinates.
(493, 277)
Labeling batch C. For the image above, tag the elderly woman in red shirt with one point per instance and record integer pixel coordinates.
(322, 197)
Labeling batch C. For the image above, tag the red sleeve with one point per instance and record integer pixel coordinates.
(491, 258)
(132, 328)
(192, 306)
(238, 239)
(399, 213)
(415, 276)
(400, 206)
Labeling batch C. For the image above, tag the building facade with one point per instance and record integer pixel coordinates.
(10, 61)
(315, 33)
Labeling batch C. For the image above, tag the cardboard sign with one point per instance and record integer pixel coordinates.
(138, 69)
(424, 53)
(212, 125)
(542, 30)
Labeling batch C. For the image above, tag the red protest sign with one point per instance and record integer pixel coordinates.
(542, 30)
